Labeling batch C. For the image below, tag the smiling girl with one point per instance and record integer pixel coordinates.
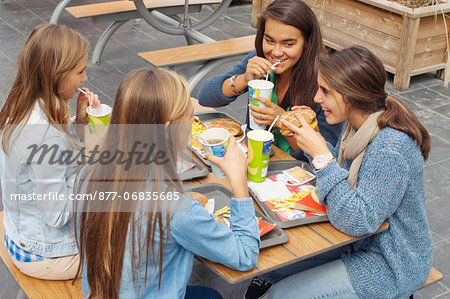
(374, 174)
(38, 232)
(287, 42)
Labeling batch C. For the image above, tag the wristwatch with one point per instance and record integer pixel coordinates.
(321, 161)
(233, 87)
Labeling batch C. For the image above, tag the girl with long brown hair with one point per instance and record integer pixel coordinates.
(36, 131)
(288, 39)
(374, 174)
(143, 246)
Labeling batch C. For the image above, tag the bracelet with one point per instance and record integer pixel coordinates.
(233, 87)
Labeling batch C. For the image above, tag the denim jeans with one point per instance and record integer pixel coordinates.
(199, 292)
(315, 261)
(328, 280)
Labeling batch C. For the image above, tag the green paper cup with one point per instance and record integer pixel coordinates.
(259, 144)
(260, 88)
(98, 118)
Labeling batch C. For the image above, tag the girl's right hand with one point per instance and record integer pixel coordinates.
(234, 165)
(257, 67)
(83, 101)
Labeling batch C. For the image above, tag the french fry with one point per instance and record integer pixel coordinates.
(288, 203)
(223, 212)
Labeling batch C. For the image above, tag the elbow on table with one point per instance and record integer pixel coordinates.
(354, 229)
(249, 262)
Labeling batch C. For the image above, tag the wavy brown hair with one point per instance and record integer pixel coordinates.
(50, 51)
(146, 101)
(296, 13)
(359, 76)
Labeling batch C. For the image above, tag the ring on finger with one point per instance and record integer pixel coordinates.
(265, 116)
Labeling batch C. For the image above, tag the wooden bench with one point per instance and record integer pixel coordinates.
(38, 288)
(433, 277)
(211, 55)
(119, 12)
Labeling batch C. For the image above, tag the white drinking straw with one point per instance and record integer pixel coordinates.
(274, 65)
(273, 123)
(89, 97)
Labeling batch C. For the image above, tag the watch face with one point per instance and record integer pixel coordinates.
(319, 162)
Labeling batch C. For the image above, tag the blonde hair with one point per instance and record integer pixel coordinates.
(50, 51)
(144, 97)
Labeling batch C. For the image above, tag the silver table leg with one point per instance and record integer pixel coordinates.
(58, 11)
(100, 46)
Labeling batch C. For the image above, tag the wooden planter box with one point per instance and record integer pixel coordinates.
(408, 41)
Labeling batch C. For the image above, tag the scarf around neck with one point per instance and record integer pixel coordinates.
(354, 143)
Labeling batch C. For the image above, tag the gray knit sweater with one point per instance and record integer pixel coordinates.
(394, 263)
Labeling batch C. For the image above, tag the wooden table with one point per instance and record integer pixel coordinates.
(304, 241)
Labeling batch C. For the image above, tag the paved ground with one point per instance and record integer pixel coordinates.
(426, 97)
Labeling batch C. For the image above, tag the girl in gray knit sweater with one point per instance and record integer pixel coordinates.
(374, 174)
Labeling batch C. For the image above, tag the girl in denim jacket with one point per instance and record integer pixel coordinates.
(38, 137)
(142, 243)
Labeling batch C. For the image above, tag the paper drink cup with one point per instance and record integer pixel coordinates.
(259, 144)
(260, 88)
(98, 118)
(218, 140)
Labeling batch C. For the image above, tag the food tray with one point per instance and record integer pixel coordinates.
(206, 116)
(197, 171)
(222, 197)
(276, 167)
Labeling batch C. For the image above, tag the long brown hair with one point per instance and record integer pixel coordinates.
(359, 76)
(296, 13)
(50, 51)
(144, 97)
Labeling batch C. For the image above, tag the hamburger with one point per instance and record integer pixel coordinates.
(232, 126)
(222, 220)
(308, 114)
(202, 199)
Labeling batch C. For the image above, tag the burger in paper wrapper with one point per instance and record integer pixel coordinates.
(308, 114)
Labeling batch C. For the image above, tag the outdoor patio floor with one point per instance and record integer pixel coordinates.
(427, 97)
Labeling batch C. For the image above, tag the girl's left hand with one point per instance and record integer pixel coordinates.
(83, 101)
(310, 141)
(265, 116)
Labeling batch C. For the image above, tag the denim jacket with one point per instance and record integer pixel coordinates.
(33, 220)
(192, 231)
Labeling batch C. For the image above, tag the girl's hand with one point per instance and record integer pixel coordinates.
(265, 116)
(257, 67)
(234, 166)
(310, 141)
(83, 101)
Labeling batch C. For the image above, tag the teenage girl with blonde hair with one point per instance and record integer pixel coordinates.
(36, 131)
(144, 248)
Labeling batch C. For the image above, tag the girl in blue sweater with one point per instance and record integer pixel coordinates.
(287, 42)
(374, 174)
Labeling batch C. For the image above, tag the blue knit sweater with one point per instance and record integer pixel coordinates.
(396, 262)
